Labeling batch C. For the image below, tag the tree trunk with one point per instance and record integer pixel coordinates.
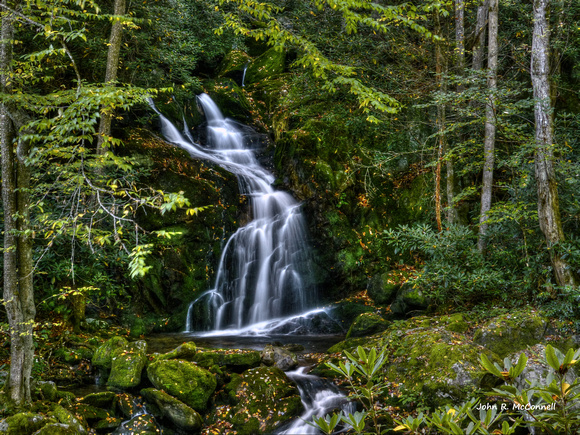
(17, 293)
(441, 148)
(548, 206)
(111, 72)
(479, 48)
(489, 142)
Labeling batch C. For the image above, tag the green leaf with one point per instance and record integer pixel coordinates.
(551, 358)
(487, 365)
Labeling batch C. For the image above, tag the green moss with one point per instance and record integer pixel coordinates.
(367, 324)
(103, 356)
(270, 63)
(191, 384)
(511, 332)
(127, 365)
(24, 423)
(181, 415)
(235, 360)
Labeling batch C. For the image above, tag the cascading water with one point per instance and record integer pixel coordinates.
(263, 272)
(319, 397)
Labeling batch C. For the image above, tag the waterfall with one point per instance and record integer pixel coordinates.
(263, 272)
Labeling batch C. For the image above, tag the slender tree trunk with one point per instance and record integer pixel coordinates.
(18, 292)
(480, 27)
(489, 142)
(111, 72)
(452, 217)
(440, 70)
(548, 206)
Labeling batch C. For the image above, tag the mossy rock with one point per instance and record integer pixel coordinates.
(511, 332)
(68, 418)
(238, 360)
(174, 410)
(103, 399)
(128, 405)
(127, 364)
(346, 311)
(380, 290)
(282, 358)
(108, 425)
(367, 324)
(191, 384)
(89, 413)
(24, 423)
(185, 351)
(270, 63)
(457, 323)
(103, 356)
(94, 325)
(409, 301)
(58, 429)
(264, 398)
(47, 391)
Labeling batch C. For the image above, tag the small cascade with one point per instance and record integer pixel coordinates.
(263, 273)
(319, 397)
(244, 73)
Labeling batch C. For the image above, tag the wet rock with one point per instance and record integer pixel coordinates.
(264, 398)
(279, 357)
(127, 364)
(24, 423)
(367, 324)
(512, 332)
(182, 379)
(108, 425)
(88, 413)
(128, 405)
(172, 409)
(143, 424)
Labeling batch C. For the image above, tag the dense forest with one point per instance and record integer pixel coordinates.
(432, 145)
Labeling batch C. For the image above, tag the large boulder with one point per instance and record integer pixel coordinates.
(24, 423)
(409, 301)
(58, 429)
(67, 418)
(191, 384)
(264, 398)
(127, 365)
(511, 332)
(172, 409)
(103, 356)
(236, 361)
(381, 289)
(367, 324)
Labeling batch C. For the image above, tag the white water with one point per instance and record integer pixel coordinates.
(319, 398)
(263, 272)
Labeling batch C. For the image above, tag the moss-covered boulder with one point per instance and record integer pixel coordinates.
(264, 398)
(381, 289)
(128, 405)
(511, 332)
(90, 414)
(191, 384)
(367, 324)
(185, 351)
(280, 357)
(47, 390)
(103, 356)
(268, 64)
(173, 410)
(24, 423)
(127, 364)
(409, 301)
(235, 360)
(68, 418)
(103, 399)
